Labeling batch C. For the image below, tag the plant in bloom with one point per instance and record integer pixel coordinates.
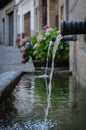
(37, 45)
(45, 27)
(41, 41)
(25, 48)
(18, 41)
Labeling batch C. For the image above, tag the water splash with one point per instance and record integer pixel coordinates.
(49, 87)
(46, 69)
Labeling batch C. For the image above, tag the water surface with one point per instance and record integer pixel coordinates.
(26, 106)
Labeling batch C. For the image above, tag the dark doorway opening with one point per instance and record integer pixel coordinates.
(3, 21)
(11, 28)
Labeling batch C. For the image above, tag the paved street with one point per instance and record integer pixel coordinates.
(10, 60)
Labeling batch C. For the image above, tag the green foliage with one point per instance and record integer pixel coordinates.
(37, 45)
(62, 51)
(41, 41)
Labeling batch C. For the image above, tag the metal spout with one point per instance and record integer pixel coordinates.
(66, 38)
(73, 27)
(69, 38)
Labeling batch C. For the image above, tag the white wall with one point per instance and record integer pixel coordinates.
(17, 1)
(23, 8)
(0, 27)
(32, 17)
(63, 4)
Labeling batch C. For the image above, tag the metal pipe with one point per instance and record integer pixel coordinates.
(69, 38)
(66, 38)
(73, 27)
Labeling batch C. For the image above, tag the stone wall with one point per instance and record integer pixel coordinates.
(77, 11)
(52, 13)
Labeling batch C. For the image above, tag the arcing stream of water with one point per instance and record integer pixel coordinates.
(49, 87)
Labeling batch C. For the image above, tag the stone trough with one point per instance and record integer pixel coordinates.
(8, 80)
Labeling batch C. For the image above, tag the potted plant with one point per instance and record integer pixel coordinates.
(37, 47)
(41, 40)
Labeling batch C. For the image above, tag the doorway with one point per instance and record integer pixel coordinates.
(27, 24)
(3, 22)
(11, 28)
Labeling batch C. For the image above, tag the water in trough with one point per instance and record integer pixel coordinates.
(45, 102)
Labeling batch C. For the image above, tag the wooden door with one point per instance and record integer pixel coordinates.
(27, 24)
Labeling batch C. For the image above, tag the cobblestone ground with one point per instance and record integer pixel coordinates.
(10, 60)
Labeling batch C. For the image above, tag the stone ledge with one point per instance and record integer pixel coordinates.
(8, 80)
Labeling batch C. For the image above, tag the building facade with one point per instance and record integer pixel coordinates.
(7, 23)
(24, 17)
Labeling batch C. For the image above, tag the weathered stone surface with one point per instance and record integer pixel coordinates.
(10, 60)
(11, 68)
(75, 10)
(7, 78)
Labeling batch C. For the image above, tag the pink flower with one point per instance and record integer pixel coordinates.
(28, 44)
(22, 49)
(22, 42)
(45, 27)
(23, 60)
(39, 38)
(23, 55)
(36, 33)
(18, 39)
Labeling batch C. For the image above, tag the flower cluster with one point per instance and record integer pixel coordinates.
(41, 40)
(18, 41)
(37, 45)
(25, 48)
